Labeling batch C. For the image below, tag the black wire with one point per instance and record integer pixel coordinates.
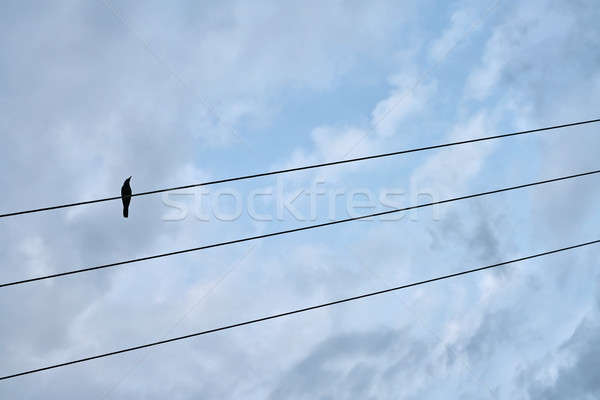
(301, 310)
(283, 171)
(77, 271)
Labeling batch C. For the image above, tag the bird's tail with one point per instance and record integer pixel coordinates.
(125, 212)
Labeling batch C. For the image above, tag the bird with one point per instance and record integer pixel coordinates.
(126, 197)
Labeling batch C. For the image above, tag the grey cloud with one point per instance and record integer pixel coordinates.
(482, 233)
(580, 378)
(364, 365)
(490, 336)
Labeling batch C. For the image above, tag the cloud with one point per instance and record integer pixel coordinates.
(408, 98)
(86, 104)
(572, 370)
(366, 365)
(461, 20)
(450, 171)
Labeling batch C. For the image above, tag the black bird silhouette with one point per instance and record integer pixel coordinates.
(126, 196)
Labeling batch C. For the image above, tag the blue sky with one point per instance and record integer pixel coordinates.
(191, 91)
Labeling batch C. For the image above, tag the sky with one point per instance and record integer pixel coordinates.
(185, 92)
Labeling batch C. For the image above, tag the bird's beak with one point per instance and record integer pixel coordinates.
(129, 177)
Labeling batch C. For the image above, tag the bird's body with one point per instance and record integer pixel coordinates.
(126, 196)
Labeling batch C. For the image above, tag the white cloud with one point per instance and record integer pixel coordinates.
(461, 21)
(408, 98)
(450, 171)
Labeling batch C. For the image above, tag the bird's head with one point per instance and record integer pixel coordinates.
(128, 179)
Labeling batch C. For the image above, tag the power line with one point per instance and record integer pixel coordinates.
(301, 310)
(304, 228)
(283, 171)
